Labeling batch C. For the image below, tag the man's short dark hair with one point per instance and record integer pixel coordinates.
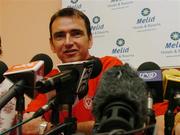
(70, 12)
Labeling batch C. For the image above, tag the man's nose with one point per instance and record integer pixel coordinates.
(68, 39)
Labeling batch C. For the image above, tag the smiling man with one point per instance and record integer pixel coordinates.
(70, 39)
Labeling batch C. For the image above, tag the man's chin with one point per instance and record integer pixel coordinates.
(71, 60)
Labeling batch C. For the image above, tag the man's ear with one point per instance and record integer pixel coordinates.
(90, 41)
(52, 45)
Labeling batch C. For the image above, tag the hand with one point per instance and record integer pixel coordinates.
(177, 124)
(31, 128)
(85, 127)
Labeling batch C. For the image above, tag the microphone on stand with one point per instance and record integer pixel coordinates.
(171, 93)
(120, 103)
(24, 77)
(151, 73)
(151, 118)
(74, 73)
(71, 81)
(171, 83)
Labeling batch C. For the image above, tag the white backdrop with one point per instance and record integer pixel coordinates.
(135, 31)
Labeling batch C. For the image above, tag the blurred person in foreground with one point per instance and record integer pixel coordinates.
(71, 39)
(7, 113)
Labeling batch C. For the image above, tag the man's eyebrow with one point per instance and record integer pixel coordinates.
(77, 30)
(62, 32)
(57, 33)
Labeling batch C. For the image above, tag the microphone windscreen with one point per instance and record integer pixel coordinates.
(148, 66)
(3, 68)
(97, 67)
(48, 63)
(121, 84)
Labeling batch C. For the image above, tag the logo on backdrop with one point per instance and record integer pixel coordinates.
(75, 4)
(96, 19)
(119, 4)
(121, 50)
(172, 47)
(120, 42)
(74, 1)
(175, 36)
(146, 22)
(145, 12)
(98, 27)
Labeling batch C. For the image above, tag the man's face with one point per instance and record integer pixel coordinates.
(70, 40)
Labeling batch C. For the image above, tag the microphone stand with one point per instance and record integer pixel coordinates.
(20, 105)
(169, 115)
(150, 115)
(64, 96)
(68, 127)
(55, 115)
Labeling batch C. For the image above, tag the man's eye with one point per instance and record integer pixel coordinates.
(76, 34)
(59, 35)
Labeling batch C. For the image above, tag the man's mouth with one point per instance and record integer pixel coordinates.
(72, 51)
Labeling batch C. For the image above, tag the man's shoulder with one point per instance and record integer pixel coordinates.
(52, 72)
(111, 60)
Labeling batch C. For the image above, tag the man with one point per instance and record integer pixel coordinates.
(71, 39)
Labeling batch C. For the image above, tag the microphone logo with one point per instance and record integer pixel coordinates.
(151, 75)
(148, 75)
(21, 67)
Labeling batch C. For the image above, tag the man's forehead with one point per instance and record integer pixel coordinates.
(70, 20)
(68, 24)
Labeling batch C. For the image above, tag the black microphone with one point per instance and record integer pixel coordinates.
(30, 73)
(97, 66)
(169, 115)
(24, 77)
(74, 74)
(51, 103)
(48, 63)
(120, 101)
(3, 68)
(65, 80)
(151, 73)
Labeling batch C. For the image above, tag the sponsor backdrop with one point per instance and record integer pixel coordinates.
(135, 31)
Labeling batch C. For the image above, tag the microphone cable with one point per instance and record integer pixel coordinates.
(35, 115)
